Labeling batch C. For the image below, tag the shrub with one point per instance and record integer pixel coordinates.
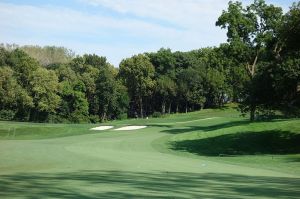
(76, 117)
(53, 118)
(7, 114)
(156, 114)
(122, 116)
(94, 119)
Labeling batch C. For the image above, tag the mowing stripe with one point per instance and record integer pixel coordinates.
(209, 118)
(170, 123)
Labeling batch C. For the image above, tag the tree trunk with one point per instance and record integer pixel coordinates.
(163, 107)
(220, 100)
(177, 107)
(186, 108)
(170, 105)
(33, 115)
(252, 68)
(103, 113)
(141, 107)
(103, 116)
(252, 112)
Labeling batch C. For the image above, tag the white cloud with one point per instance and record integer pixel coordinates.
(196, 17)
(182, 12)
(62, 19)
(116, 37)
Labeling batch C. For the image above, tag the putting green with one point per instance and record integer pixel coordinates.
(134, 164)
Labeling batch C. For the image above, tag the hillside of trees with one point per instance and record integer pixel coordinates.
(258, 67)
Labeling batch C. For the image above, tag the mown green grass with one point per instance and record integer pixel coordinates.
(25, 130)
(272, 145)
(240, 138)
(178, 156)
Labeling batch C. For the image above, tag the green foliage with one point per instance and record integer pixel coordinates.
(166, 89)
(121, 102)
(7, 115)
(12, 96)
(106, 92)
(258, 68)
(23, 66)
(290, 29)
(216, 87)
(164, 62)
(254, 31)
(3, 56)
(137, 74)
(95, 61)
(122, 116)
(157, 115)
(94, 119)
(44, 88)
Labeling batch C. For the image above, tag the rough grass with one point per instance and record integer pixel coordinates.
(24, 130)
(178, 156)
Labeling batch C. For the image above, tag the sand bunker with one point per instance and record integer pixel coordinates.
(101, 128)
(129, 128)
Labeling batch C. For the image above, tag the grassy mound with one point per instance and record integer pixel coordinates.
(277, 137)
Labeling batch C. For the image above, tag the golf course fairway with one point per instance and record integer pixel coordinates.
(163, 160)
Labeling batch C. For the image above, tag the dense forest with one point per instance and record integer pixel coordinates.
(258, 68)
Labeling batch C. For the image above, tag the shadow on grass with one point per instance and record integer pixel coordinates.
(117, 184)
(293, 159)
(207, 128)
(159, 125)
(245, 143)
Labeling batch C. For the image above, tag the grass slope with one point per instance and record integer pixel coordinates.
(180, 156)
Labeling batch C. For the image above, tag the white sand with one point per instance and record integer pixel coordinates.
(129, 128)
(101, 128)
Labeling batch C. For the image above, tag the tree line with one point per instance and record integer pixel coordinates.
(258, 67)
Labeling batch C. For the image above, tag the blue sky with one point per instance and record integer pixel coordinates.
(115, 28)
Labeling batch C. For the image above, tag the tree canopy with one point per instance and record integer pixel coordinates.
(258, 68)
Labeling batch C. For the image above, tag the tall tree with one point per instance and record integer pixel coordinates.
(166, 88)
(23, 66)
(44, 84)
(137, 73)
(216, 87)
(285, 73)
(164, 62)
(249, 29)
(13, 97)
(191, 88)
(106, 92)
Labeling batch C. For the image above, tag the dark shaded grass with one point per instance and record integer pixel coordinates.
(243, 143)
(93, 184)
